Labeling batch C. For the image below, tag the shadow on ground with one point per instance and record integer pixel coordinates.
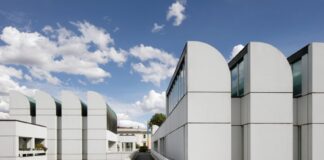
(143, 156)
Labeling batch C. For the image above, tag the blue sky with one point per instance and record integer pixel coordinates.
(138, 58)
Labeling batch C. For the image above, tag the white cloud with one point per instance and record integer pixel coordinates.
(116, 29)
(131, 124)
(122, 116)
(157, 27)
(60, 50)
(156, 65)
(236, 49)
(28, 77)
(176, 11)
(154, 102)
(7, 83)
(124, 121)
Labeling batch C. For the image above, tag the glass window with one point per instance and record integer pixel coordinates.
(237, 80)
(178, 89)
(241, 78)
(297, 78)
(234, 83)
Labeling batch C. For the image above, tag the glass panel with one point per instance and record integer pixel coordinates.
(241, 78)
(297, 82)
(234, 83)
(178, 88)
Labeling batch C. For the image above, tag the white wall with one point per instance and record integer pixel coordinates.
(266, 106)
(71, 147)
(97, 133)
(199, 126)
(19, 107)
(9, 138)
(309, 106)
(46, 115)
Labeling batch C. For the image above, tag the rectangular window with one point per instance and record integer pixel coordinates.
(237, 79)
(234, 83)
(178, 88)
(297, 78)
(241, 78)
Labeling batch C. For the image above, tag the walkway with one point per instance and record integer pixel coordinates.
(143, 156)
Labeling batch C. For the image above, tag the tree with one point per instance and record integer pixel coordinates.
(157, 119)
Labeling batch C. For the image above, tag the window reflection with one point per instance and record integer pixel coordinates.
(237, 79)
(178, 87)
(297, 78)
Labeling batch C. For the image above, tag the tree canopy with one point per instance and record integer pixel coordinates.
(157, 119)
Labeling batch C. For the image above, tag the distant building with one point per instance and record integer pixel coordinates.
(75, 130)
(22, 140)
(130, 139)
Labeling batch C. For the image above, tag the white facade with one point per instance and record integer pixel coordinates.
(262, 109)
(22, 141)
(75, 131)
(72, 126)
(48, 114)
(22, 107)
(198, 124)
(100, 140)
(132, 138)
(308, 73)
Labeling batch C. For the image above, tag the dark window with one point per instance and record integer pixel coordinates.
(297, 78)
(237, 79)
(178, 87)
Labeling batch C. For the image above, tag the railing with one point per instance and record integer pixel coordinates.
(121, 155)
(31, 153)
(158, 156)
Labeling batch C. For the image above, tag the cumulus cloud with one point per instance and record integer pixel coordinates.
(236, 49)
(130, 124)
(156, 65)
(157, 27)
(154, 102)
(8, 76)
(8, 82)
(60, 50)
(124, 121)
(176, 11)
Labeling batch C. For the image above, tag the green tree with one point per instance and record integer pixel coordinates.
(157, 119)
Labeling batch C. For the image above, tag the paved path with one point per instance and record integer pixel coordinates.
(143, 156)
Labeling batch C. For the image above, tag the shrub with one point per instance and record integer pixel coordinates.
(143, 149)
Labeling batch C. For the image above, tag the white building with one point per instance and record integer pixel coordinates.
(22, 140)
(276, 109)
(198, 124)
(308, 76)
(262, 108)
(75, 130)
(130, 139)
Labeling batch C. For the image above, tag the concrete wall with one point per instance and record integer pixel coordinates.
(19, 107)
(266, 109)
(72, 128)
(46, 116)
(97, 133)
(199, 125)
(9, 139)
(309, 121)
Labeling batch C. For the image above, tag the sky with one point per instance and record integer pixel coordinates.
(127, 50)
